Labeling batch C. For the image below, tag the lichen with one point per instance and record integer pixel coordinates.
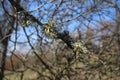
(50, 30)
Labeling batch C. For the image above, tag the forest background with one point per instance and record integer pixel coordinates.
(59, 40)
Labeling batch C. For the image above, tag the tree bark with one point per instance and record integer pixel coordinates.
(5, 34)
(117, 32)
(4, 53)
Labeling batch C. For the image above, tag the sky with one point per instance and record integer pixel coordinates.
(71, 26)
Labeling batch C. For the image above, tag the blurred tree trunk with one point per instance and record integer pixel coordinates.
(117, 30)
(5, 34)
(3, 56)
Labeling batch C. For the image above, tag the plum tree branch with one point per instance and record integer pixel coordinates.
(51, 31)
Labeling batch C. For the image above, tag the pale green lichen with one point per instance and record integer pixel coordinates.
(79, 47)
(50, 30)
(25, 19)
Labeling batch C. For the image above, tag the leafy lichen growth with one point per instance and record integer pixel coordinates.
(79, 47)
(50, 30)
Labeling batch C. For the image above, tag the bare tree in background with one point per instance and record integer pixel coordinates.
(117, 30)
(5, 34)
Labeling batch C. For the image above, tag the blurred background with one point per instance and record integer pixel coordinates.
(26, 53)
